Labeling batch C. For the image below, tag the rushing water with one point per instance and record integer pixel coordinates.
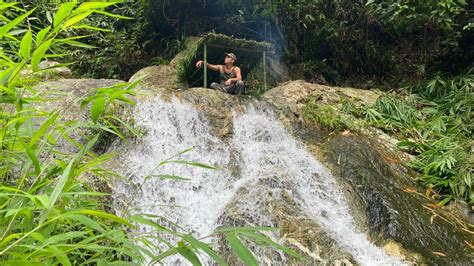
(259, 145)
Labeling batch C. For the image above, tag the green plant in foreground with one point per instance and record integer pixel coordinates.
(47, 215)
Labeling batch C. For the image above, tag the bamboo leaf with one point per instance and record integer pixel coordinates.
(204, 247)
(77, 44)
(63, 12)
(34, 159)
(55, 195)
(94, 5)
(10, 25)
(75, 19)
(241, 250)
(42, 129)
(43, 199)
(60, 255)
(201, 165)
(173, 177)
(104, 215)
(25, 45)
(41, 34)
(265, 240)
(97, 108)
(188, 254)
(112, 15)
(22, 263)
(141, 220)
(39, 54)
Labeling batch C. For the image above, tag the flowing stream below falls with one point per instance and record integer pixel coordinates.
(259, 146)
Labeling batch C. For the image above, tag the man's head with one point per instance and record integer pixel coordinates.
(230, 58)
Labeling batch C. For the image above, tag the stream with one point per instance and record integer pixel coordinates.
(259, 146)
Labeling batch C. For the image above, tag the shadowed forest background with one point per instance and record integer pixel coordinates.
(358, 43)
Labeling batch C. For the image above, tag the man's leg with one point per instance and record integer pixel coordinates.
(239, 87)
(218, 87)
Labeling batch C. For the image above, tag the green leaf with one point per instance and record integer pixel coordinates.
(204, 247)
(445, 200)
(77, 44)
(60, 255)
(43, 199)
(193, 164)
(22, 263)
(34, 159)
(97, 108)
(173, 177)
(265, 240)
(75, 19)
(86, 221)
(10, 25)
(245, 229)
(25, 45)
(189, 255)
(94, 5)
(40, 132)
(40, 36)
(39, 54)
(90, 28)
(58, 189)
(63, 12)
(112, 15)
(241, 250)
(141, 220)
(105, 215)
(58, 238)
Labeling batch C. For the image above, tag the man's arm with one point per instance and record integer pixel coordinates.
(238, 77)
(210, 66)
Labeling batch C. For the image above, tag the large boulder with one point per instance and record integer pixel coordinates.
(380, 187)
(65, 95)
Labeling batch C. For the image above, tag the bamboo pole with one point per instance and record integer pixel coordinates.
(205, 66)
(265, 71)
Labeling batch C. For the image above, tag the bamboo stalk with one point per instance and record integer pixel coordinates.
(205, 66)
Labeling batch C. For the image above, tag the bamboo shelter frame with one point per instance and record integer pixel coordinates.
(264, 55)
(220, 41)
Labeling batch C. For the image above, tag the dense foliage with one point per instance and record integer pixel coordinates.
(434, 121)
(363, 43)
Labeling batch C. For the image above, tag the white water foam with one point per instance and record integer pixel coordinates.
(264, 147)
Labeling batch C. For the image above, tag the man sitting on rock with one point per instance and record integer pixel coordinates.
(230, 75)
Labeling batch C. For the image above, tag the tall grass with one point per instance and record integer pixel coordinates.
(48, 215)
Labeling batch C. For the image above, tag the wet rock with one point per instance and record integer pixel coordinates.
(49, 70)
(292, 95)
(370, 167)
(55, 70)
(65, 95)
(156, 78)
(272, 204)
(380, 183)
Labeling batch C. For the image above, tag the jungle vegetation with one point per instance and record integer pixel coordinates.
(420, 53)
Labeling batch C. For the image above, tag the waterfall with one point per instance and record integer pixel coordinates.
(259, 146)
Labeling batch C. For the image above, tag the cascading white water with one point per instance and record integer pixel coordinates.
(262, 145)
(265, 145)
